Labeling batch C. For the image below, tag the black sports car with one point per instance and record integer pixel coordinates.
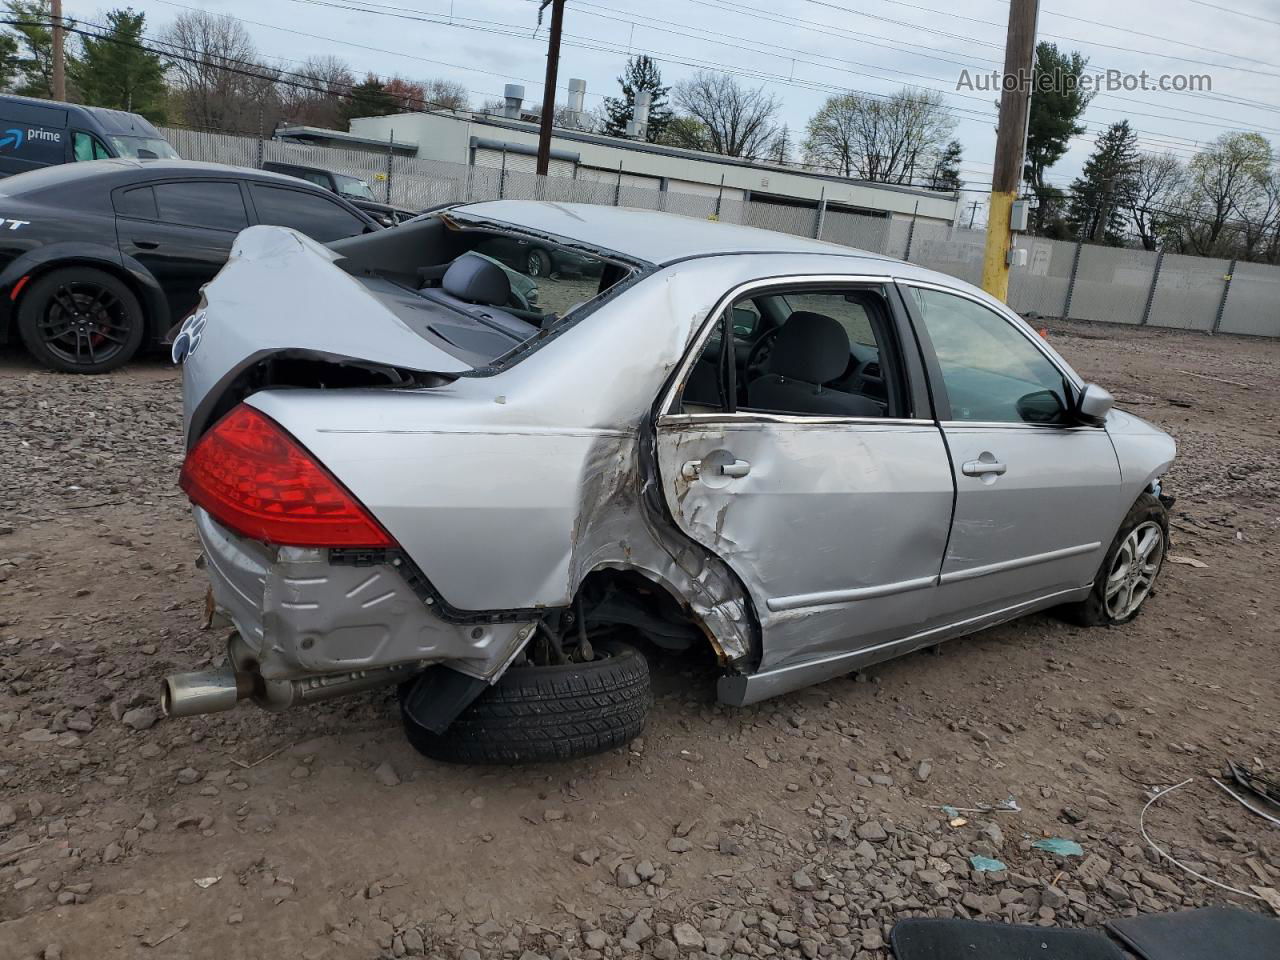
(99, 259)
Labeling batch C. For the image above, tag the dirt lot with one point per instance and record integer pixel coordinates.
(803, 826)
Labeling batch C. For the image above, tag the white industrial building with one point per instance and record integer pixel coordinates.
(510, 142)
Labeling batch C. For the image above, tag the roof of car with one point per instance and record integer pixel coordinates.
(648, 235)
(121, 171)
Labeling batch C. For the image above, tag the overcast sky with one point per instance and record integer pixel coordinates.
(801, 51)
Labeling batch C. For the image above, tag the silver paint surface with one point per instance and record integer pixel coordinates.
(836, 549)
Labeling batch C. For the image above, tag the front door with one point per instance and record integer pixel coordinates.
(1036, 495)
(804, 460)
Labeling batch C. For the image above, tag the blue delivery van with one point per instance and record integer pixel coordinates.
(40, 133)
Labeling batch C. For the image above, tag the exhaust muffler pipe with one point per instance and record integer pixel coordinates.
(239, 678)
(205, 691)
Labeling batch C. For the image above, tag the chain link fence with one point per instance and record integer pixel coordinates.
(1059, 279)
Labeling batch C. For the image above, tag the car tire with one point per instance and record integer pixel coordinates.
(538, 263)
(537, 714)
(101, 339)
(1105, 605)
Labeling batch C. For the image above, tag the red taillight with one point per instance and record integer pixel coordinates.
(257, 480)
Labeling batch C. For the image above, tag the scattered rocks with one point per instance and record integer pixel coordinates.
(140, 718)
(687, 937)
(872, 831)
(386, 775)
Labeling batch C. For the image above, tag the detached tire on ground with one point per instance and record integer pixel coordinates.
(535, 714)
(1128, 573)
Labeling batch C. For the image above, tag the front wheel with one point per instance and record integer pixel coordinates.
(1128, 574)
(540, 713)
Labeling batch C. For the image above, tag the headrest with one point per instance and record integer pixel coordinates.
(477, 280)
(811, 347)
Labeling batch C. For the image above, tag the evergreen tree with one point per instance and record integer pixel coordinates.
(117, 71)
(370, 98)
(8, 60)
(641, 74)
(946, 169)
(1057, 103)
(34, 60)
(1100, 194)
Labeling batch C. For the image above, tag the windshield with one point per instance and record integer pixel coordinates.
(144, 148)
(352, 187)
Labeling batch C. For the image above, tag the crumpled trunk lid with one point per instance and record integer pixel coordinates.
(282, 294)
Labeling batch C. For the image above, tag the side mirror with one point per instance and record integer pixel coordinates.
(1094, 405)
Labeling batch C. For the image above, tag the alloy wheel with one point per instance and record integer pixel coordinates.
(85, 323)
(1133, 571)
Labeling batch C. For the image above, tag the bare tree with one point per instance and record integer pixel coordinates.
(1152, 198)
(1258, 211)
(218, 79)
(736, 121)
(313, 94)
(446, 94)
(886, 140)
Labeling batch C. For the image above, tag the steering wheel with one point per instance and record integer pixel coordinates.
(758, 356)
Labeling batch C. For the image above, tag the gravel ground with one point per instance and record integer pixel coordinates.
(803, 826)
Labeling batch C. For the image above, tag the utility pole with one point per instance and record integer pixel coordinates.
(973, 212)
(1011, 142)
(59, 60)
(549, 85)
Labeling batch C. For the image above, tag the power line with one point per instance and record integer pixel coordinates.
(594, 43)
(1094, 23)
(360, 46)
(173, 51)
(825, 30)
(720, 37)
(1095, 43)
(1233, 10)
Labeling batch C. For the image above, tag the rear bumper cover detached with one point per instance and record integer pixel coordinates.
(300, 616)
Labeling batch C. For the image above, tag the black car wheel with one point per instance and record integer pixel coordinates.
(540, 713)
(80, 320)
(539, 263)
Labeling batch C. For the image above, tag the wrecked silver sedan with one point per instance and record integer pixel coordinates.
(804, 457)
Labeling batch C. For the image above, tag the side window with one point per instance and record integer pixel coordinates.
(85, 146)
(823, 353)
(139, 203)
(202, 203)
(319, 218)
(991, 372)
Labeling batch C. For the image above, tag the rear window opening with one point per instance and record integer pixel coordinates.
(478, 293)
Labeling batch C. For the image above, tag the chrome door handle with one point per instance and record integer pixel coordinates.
(980, 468)
(692, 469)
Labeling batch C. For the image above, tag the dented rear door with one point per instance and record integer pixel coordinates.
(836, 525)
(837, 529)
